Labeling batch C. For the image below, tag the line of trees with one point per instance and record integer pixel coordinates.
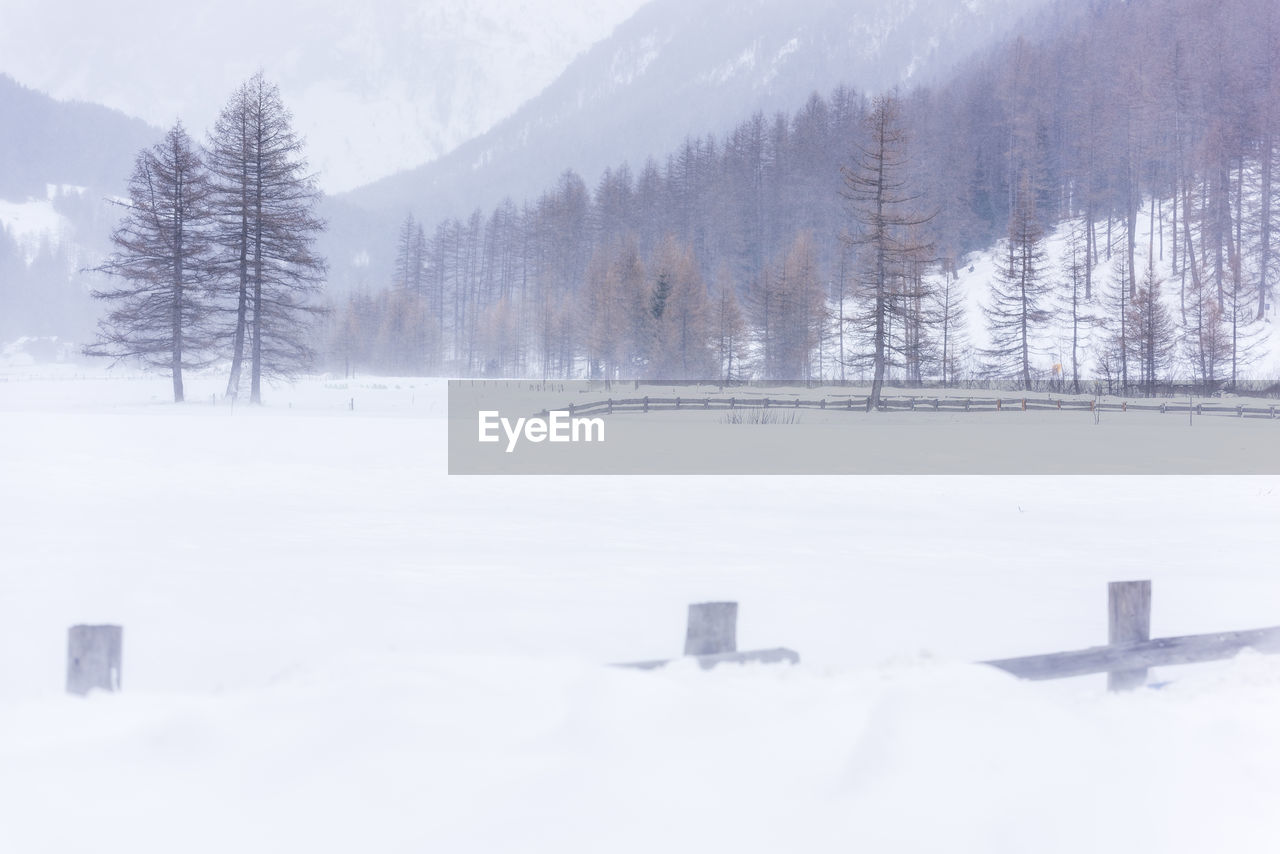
(1152, 117)
(213, 253)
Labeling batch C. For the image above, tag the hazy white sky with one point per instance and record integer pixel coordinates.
(375, 86)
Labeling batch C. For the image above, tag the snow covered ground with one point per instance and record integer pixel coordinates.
(1154, 242)
(330, 645)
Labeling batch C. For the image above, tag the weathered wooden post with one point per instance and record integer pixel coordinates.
(713, 628)
(1128, 621)
(93, 658)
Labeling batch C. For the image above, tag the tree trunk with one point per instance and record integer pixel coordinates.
(1264, 233)
(255, 376)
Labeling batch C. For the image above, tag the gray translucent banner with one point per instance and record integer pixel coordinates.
(581, 427)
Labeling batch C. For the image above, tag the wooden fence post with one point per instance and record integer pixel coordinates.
(1128, 621)
(93, 658)
(712, 629)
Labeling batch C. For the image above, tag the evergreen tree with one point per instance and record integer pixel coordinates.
(728, 328)
(264, 202)
(1205, 338)
(885, 208)
(1075, 296)
(681, 316)
(160, 313)
(950, 316)
(1119, 348)
(1152, 332)
(1019, 294)
(411, 250)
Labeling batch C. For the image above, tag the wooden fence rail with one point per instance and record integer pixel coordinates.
(1130, 651)
(94, 652)
(711, 639)
(1161, 652)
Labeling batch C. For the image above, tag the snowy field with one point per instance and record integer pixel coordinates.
(332, 646)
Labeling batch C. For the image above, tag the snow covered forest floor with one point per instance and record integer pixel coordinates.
(330, 645)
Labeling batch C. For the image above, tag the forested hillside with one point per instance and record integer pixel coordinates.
(746, 254)
(58, 160)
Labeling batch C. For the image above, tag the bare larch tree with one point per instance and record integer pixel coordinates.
(160, 313)
(885, 209)
(264, 202)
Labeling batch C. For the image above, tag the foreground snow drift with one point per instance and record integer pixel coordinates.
(331, 646)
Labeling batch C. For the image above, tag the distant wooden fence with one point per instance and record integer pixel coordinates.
(612, 406)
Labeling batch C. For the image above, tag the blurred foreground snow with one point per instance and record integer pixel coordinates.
(332, 646)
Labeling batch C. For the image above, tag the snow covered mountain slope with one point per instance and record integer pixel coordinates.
(47, 141)
(1259, 337)
(59, 162)
(375, 87)
(681, 67)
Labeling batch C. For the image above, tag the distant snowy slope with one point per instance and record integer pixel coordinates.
(47, 141)
(681, 67)
(375, 87)
(59, 162)
(1259, 337)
